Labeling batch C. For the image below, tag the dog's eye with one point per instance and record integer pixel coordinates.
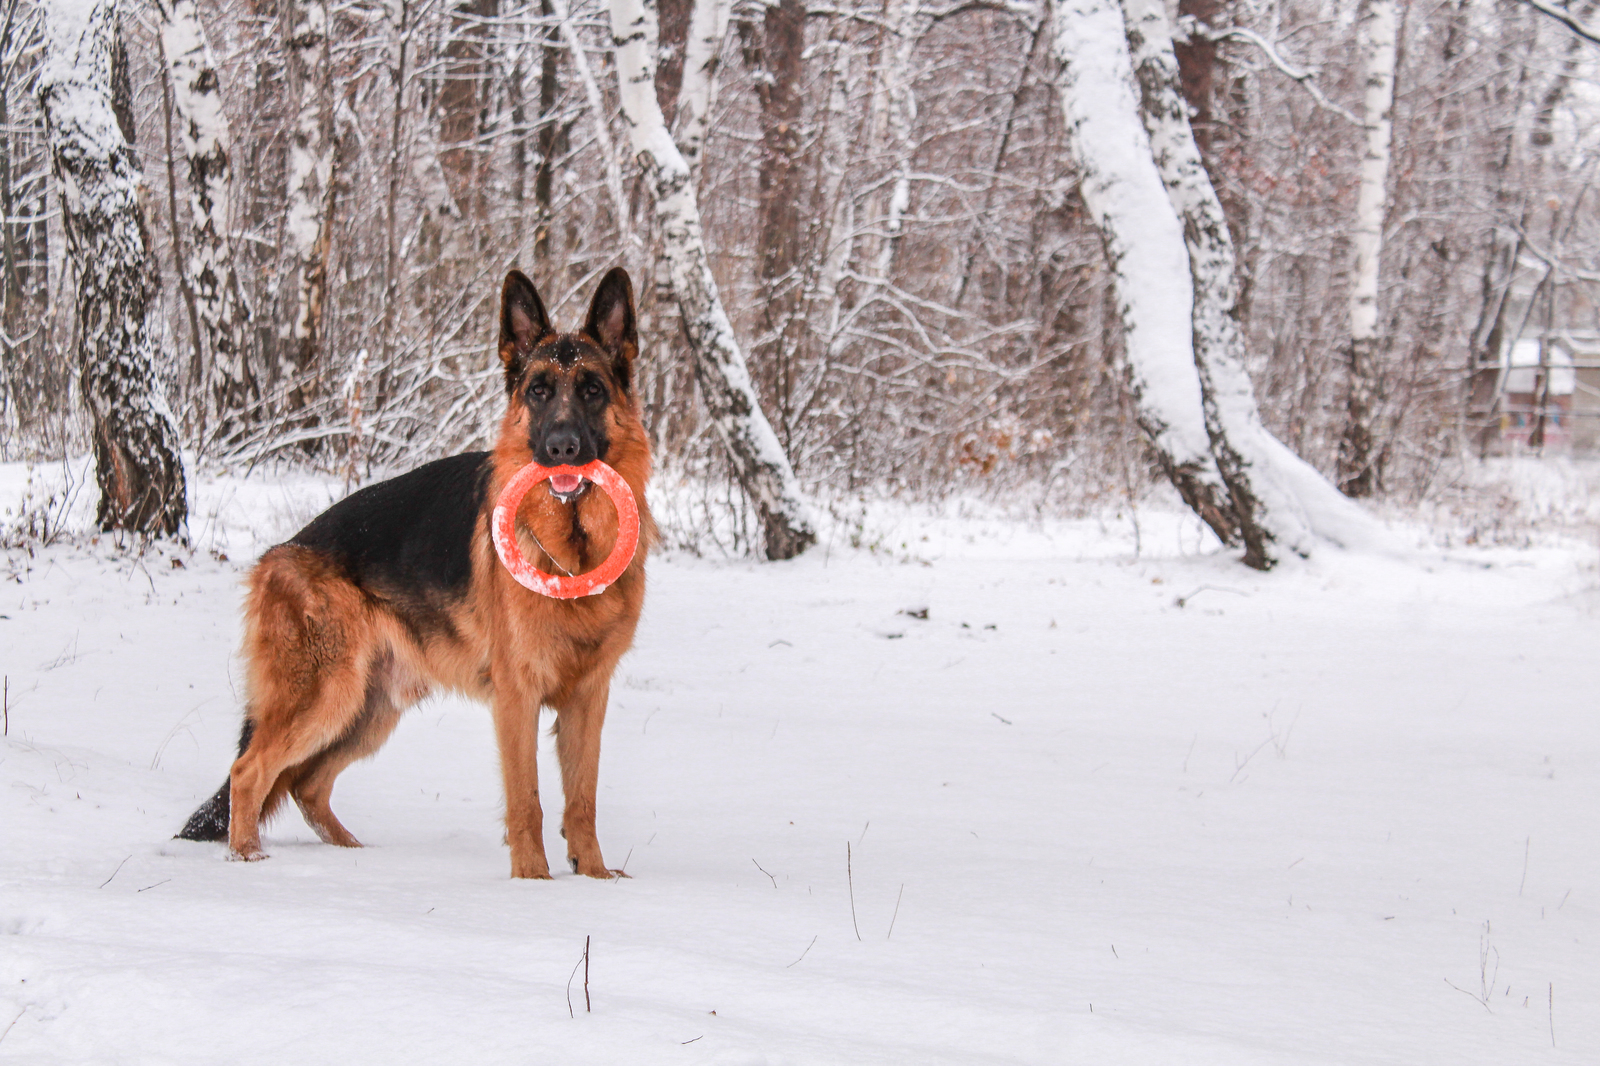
(593, 390)
(540, 390)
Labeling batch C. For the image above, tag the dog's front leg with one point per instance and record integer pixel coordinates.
(516, 727)
(578, 746)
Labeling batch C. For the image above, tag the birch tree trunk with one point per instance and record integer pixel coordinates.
(137, 464)
(1357, 464)
(311, 151)
(907, 24)
(1144, 244)
(1218, 346)
(203, 126)
(1278, 498)
(730, 398)
(708, 25)
(1269, 497)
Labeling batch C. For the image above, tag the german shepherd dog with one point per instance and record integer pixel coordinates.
(396, 591)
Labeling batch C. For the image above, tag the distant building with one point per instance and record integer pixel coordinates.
(1544, 394)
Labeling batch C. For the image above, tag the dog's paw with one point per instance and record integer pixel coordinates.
(597, 871)
(247, 855)
(532, 871)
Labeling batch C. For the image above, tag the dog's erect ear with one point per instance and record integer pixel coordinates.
(611, 321)
(523, 323)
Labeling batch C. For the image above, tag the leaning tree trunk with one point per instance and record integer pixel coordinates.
(730, 398)
(137, 464)
(1278, 498)
(1173, 258)
(1150, 270)
(1357, 464)
(197, 100)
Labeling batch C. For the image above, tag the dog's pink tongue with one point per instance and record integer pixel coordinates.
(564, 483)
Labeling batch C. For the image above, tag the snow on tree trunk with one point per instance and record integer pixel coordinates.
(197, 100)
(137, 464)
(708, 25)
(1150, 270)
(725, 387)
(1357, 464)
(311, 150)
(1154, 202)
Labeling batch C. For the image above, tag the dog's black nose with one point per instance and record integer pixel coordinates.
(562, 446)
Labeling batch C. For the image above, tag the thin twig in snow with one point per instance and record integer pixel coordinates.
(896, 913)
(863, 835)
(574, 974)
(114, 873)
(849, 880)
(1552, 1014)
(1526, 844)
(774, 880)
(587, 1008)
(18, 1018)
(803, 954)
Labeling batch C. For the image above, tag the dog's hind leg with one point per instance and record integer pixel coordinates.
(313, 782)
(210, 820)
(310, 645)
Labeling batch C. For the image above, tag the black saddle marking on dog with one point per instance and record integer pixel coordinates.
(408, 541)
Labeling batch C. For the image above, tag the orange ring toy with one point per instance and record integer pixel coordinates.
(503, 528)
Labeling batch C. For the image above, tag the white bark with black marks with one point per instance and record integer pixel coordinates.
(311, 161)
(1173, 266)
(137, 464)
(1144, 245)
(708, 25)
(1357, 461)
(725, 386)
(204, 134)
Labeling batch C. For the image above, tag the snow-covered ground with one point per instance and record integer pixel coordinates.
(1100, 807)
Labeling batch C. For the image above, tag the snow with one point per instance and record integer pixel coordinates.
(1249, 818)
(1526, 357)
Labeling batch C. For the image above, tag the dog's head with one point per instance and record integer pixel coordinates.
(567, 390)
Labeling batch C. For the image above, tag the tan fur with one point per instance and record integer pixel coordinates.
(330, 670)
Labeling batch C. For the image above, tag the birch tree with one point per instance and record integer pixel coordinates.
(137, 465)
(1173, 266)
(725, 386)
(204, 134)
(308, 228)
(1357, 463)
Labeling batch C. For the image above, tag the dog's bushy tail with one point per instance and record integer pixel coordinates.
(210, 821)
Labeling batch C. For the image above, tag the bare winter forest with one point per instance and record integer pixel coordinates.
(272, 231)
